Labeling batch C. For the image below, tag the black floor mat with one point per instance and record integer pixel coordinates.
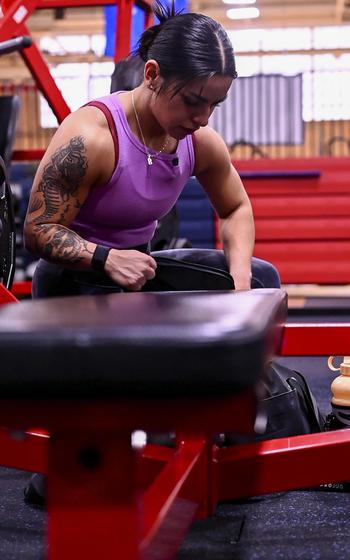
(297, 525)
(290, 526)
(22, 528)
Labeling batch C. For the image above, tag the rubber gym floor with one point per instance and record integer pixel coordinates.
(296, 525)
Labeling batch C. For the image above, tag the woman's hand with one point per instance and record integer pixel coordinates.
(130, 269)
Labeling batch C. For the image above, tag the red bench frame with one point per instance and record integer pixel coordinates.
(107, 499)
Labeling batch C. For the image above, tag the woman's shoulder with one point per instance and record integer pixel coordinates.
(88, 122)
(209, 148)
(207, 137)
(85, 129)
(90, 118)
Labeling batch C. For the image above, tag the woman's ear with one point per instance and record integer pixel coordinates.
(152, 74)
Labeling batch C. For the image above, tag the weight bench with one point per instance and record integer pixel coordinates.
(93, 369)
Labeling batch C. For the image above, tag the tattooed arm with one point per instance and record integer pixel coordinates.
(70, 168)
(72, 165)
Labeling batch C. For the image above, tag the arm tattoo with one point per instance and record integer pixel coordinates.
(61, 178)
(56, 243)
(35, 204)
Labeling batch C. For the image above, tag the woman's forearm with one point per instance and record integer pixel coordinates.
(237, 234)
(56, 243)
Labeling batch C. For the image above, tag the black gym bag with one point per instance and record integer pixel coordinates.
(182, 276)
(172, 275)
(288, 405)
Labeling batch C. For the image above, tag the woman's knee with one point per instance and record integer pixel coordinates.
(264, 274)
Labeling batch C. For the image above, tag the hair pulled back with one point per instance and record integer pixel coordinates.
(186, 46)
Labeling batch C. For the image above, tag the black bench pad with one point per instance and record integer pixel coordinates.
(140, 344)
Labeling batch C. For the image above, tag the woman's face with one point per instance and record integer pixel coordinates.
(189, 109)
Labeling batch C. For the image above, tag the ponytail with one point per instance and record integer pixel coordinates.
(146, 41)
(186, 46)
(163, 13)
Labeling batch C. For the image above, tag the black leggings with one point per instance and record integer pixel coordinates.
(52, 280)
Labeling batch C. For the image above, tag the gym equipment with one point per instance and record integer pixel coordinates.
(255, 150)
(196, 215)
(9, 109)
(91, 370)
(16, 44)
(90, 377)
(166, 235)
(327, 149)
(7, 230)
(9, 104)
(184, 362)
(13, 24)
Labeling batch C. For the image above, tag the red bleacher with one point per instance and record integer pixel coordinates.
(302, 216)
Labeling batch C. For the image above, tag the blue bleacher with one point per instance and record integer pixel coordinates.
(196, 216)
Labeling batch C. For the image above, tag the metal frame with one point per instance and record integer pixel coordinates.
(6, 296)
(103, 495)
(107, 499)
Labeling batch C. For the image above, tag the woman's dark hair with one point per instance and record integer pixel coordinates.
(187, 46)
(127, 74)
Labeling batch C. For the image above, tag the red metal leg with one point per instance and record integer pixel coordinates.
(45, 82)
(21, 288)
(282, 464)
(204, 479)
(152, 458)
(95, 507)
(92, 496)
(123, 29)
(15, 15)
(23, 450)
(6, 296)
(173, 499)
(12, 24)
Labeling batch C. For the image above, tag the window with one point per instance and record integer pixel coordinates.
(326, 77)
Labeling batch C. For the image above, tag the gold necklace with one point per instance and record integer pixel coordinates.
(149, 156)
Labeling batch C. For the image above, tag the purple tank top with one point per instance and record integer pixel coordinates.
(124, 212)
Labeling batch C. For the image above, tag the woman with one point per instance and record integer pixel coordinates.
(118, 164)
